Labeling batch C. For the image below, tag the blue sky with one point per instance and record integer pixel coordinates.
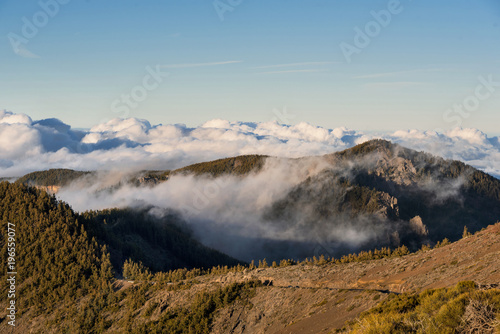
(262, 56)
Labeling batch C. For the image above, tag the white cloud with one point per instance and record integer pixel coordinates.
(299, 64)
(396, 73)
(224, 213)
(7, 117)
(396, 84)
(294, 71)
(189, 65)
(27, 145)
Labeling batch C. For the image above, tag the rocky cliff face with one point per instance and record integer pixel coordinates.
(398, 196)
(49, 189)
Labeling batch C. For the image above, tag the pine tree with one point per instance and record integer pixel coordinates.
(466, 233)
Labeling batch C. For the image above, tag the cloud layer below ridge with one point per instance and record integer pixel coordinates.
(27, 145)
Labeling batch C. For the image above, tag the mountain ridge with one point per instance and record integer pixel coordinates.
(376, 194)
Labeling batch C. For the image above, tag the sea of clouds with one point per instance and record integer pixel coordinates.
(134, 144)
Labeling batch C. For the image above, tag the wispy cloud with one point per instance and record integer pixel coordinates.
(187, 65)
(394, 84)
(396, 73)
(297, 64)
(294, 71)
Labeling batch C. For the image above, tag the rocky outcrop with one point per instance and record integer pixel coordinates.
(418, 226)
(49, 189)
(388, 206)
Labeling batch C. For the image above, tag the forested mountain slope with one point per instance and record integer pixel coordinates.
(66, 262)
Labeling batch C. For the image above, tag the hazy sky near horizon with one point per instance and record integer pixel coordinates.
(367, 65)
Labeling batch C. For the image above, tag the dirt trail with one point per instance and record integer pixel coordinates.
(313, 299)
